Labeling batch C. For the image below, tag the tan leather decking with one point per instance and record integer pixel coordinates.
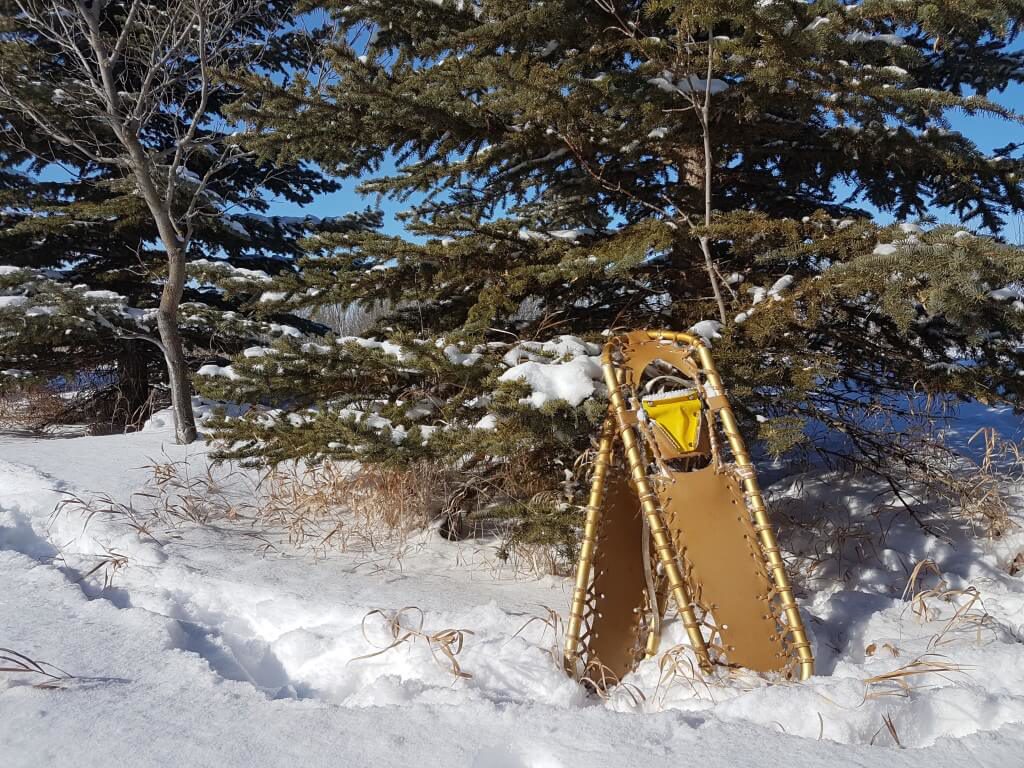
(619, 587)
(722, 562)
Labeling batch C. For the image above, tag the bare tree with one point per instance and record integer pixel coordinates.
(131, 70)
(700, 99)
(696, 93)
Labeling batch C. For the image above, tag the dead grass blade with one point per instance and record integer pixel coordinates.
(110, 564)
(899, 682)
(889, 725)
(18, 663)
(603, 683)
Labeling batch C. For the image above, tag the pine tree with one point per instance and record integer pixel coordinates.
(129, 176)
(577, 166)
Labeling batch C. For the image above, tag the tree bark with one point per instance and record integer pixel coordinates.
(133, 383)
(177, 374)
(170, 298)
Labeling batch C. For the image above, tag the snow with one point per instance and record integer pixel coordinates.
(42, 310)
(217, 370)
(236, 227)
(1007, 293)
(860, 36)
(694, 84)
(12, 301)
(569, 235)
(104, 295)
(688, 84)
(488, 422)
(555, 154)
(780, 285)
(285, 330)
(458, 357)
(759, 293)
(572, 235)
(564, 368)
(387, 347)
(564, 346)
(573, 381)
(707, 330)
(211, 647)
(238, 273)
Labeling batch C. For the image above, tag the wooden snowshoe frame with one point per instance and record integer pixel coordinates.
(669, 515)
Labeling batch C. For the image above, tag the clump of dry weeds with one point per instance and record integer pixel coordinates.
(444, 644)
(91, 405)
(347, 507)
(929, 594)
(31, 408)
(981, 493)
(321, 508)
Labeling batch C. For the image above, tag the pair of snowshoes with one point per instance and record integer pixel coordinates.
(675, 510)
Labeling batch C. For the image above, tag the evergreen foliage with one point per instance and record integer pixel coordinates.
(575, 166)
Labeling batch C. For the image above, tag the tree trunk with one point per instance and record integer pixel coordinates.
(133, 384)
(174, 350)
(177, 374)
(170, 298)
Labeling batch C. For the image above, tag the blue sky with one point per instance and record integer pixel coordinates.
(988, 133)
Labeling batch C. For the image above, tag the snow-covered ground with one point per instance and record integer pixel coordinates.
(202, 648)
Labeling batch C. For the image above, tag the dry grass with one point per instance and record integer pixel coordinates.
(889, 725)
(929, 596)
(677, 668)
(975, 492)
(902, 681)
(324, 508)
(32, 408)
(88, 406)
(212, 494)
(982, 496)
(832, 546)
(48, 675)
(104, 507)
(445, 645)
(605, 684)
(109, 565)
(905, 444)
(341, 507)
(330, 507)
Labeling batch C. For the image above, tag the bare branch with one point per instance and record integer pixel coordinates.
(184, 144)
